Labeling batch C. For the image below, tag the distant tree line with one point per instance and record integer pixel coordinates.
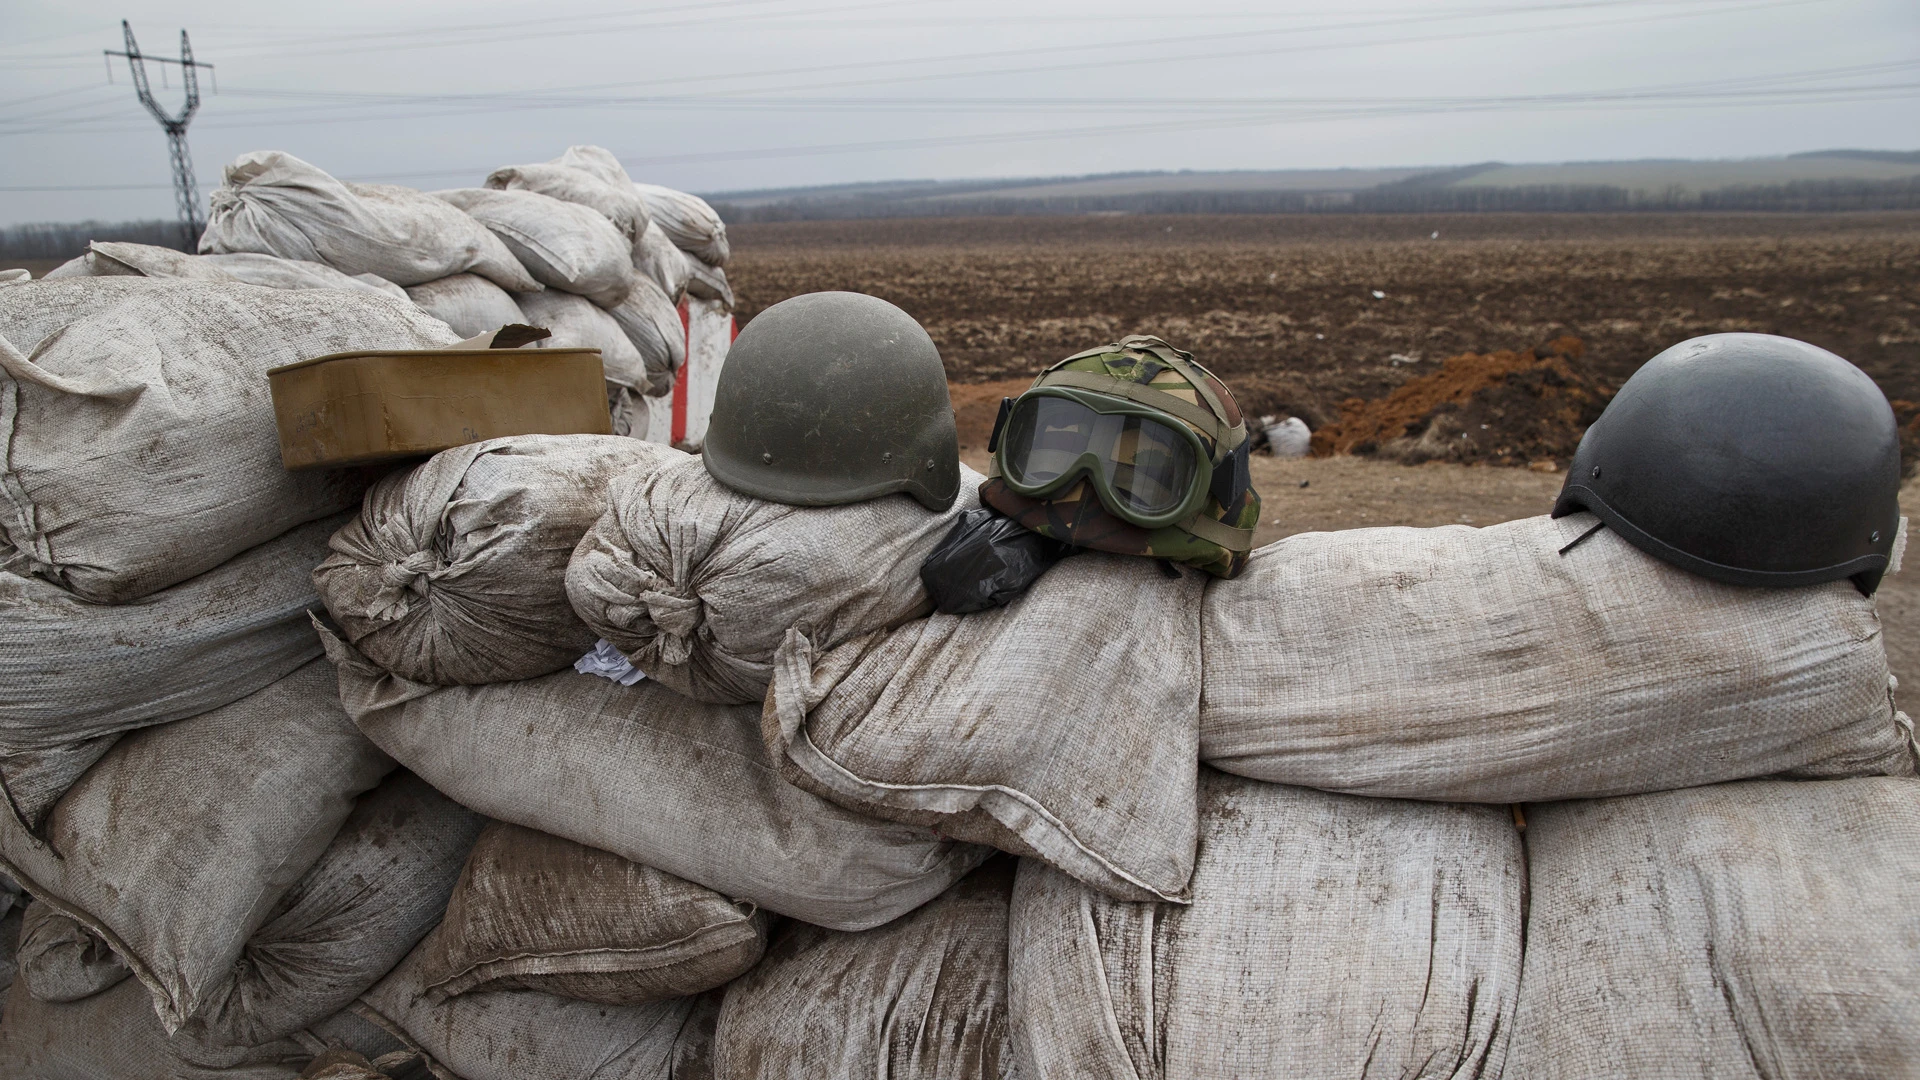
(48, 240)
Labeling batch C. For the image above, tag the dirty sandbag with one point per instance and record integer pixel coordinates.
(9, 944)
(985, 562)
(579, 323)
(924, 996)
(1289, 438)
(708, 282)
(689, 222)
(277, 273)
(35, 779)
(468, 303)
(115, 258)
(653, 325)
(589, 176)
(275, 204)
(139, 447)
(540, 912)
(630, 413)
(659, 260)
(563, 245)
(60, 960)
(454, 571)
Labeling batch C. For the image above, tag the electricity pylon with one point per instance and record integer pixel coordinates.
(186, 191)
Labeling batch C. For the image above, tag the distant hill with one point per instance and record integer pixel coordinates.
(1819, 180)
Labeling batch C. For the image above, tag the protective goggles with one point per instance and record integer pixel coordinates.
(1146, 468)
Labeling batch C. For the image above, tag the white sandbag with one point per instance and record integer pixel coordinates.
(526, 1035)
(689, 222)
(277, 273)
(1760, 929)
(139, 440)
(656, 257)
(469, 303)
(1483, 666)
(586, 175)
(72, 671)
(708, 282)
(275, 204)
(699, 584)
(175, 847)
(113, 258)
(1063, 726)
(1329, 935)
(653, 325)
(60, 960)
(379, 888)
(631, 413)
(924, 996)
(455, 571)
(655, 778)
(563, 245)
(15, 275)
(577, 323)
(539, 912)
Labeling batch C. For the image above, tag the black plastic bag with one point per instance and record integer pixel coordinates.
(986, 561)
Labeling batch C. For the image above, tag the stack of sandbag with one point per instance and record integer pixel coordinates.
(110, 259)
(690, 224)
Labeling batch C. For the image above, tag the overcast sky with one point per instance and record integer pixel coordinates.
(736, 94)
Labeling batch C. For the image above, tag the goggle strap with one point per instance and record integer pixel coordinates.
(1218, 532)
(1158, 400)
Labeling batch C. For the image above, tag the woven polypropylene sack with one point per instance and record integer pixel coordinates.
(653, 325)
(139, 440)
(60, 960)
(699, 584)
(1759, 929)
(378, 889)
(113, 258)
(277, 273)
(1483, 665)
(1329, 935)
(563, 245)
(656, 778)
(275, 204)
(468, 303)
(114, 1035)
(923, 996)
(709, 282)
(656, 257)
(455, 571)
(539, 912)
(526, 1035)
(589, 176)
(175, 847)
(577, 323)
(689, 222)
(1063, 726)
(117, 259)
(71, 671)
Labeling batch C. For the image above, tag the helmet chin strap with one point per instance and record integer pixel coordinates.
(1582, 538)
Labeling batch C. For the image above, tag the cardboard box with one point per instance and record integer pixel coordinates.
(359, 407)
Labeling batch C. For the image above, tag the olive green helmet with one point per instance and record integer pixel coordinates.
(831, 398)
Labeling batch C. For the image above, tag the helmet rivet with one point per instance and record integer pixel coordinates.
(888, 456)
(768, 458)
(1596, 472)
(1874, 538)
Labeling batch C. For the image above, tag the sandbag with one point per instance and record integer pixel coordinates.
(689, 222)
(708, 282)
(277, 273)
(1481, 665)
(1063, 726)
(114, 258)
(923, 996)
(72, 671)
(699, 584)
(60, 960)
(563, 245)
(379, 888)
(275, 204)
(175, 847)
(1329, 936)
(589, 176)
(1759, 929)
(139, 440)
(655, 778)
(526, 1035)
(455, 571)
(653, 325)
(539, 912)
(630, 413)
(656, 257)
(35, 779)
(576, 323)
(468, 303)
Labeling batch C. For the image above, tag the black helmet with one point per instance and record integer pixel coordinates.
(830, 398)
(1749, 459)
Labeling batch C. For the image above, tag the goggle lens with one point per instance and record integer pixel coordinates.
(1145, 465)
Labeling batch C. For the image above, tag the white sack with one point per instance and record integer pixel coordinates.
(689, 222)
(1063, 726)
(655, 778)
(1480, 665)
(60, 960)
(15, 275)
(924, 996)
(116, 259)
(275, 204)
(708, 282)
(468, 303)
(630, 413)
(1329, 936)
(526, 1035)
(175, 847)
(113, 258)
(379, 888)
(563, 245)
(73, 671)
(598, 160)
(277, 273)
(577, 323)
(586, 175)
(699, 584)
(454, 571)
(1762, 929)
(139, 441)
(652, 323)
(656, 257)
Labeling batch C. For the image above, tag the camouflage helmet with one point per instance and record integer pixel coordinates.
(831, 398)
(1152, 376)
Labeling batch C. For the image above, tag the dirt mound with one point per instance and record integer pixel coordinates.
(1497, 408)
